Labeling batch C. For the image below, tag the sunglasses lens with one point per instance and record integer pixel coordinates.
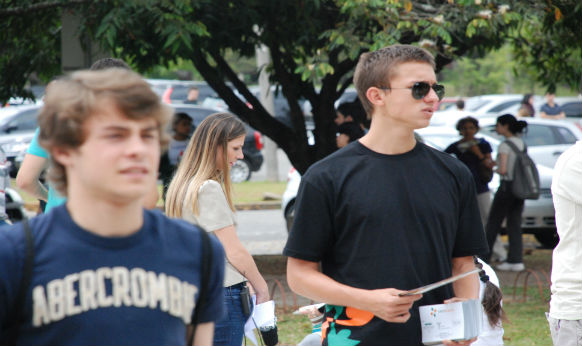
(439, 90)
(420, 90)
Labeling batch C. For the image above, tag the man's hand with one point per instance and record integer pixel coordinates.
(457, 342)
(389, 306)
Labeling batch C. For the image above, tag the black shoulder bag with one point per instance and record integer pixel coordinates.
(204, 281)
(17, 309)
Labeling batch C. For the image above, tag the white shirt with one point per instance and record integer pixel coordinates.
(566, 301)
(489, 336)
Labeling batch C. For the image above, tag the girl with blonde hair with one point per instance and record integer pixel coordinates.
(201, 193)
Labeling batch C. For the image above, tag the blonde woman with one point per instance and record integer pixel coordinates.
(201, 193)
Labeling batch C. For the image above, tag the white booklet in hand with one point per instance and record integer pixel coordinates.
(454, 321)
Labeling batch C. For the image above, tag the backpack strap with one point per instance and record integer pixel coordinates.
(206, 249)
(514, 147)
(17, 308)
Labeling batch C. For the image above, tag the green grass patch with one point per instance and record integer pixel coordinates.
(254, 191)
(527, 324)
(245, 192)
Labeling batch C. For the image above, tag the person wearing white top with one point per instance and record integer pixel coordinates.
(505, 205)
(565, 317)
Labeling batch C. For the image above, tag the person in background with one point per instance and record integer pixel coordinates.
(347, 133)
(105, 270)
(551, 110)
(182, 129)
(473, 152)
(4, 183)
(505, 205)
(526, 109)
(201, 193)
(565, 316)
(37, 158)
(460, 104)
(491, 299)
(192, 97)
(386, 214)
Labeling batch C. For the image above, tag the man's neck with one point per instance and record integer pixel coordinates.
(106, 218)
(389, 139)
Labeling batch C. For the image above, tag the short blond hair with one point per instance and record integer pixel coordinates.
(375, 69)
(69, 102)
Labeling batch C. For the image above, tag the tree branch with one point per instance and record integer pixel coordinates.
(5, 12)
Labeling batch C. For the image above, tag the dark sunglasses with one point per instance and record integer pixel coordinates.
(421, 89)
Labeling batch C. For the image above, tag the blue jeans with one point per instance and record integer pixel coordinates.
(230, 330)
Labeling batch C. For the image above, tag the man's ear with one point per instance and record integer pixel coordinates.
(375, 96)
(62, 155)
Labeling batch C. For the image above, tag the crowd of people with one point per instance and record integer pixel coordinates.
(382, 215)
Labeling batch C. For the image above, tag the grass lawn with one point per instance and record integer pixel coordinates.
(245, 192)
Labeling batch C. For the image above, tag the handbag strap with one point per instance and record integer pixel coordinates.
(17, 308)
(204, 281)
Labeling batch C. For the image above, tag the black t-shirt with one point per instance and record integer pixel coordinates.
(463, 153)
(385, 221)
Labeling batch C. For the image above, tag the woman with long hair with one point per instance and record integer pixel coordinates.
(526, 109)
(505, 205)
(201, 193)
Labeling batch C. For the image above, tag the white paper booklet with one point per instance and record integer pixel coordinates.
(455, 321)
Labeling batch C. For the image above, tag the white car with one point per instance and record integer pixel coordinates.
(478, 107)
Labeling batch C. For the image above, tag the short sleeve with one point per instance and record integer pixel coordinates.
(35, 149)
(213, 306)
(215, 213)
(312, 231)
(504, 148)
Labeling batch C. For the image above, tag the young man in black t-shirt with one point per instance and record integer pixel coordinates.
(386, 213)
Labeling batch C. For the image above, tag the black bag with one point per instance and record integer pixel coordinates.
(526, 178)
(485, 172)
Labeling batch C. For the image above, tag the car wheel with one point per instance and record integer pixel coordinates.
(290, 216)
(240, 171)
(548, 240)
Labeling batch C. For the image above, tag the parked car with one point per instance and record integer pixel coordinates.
(176, 91)
(17, 127)
(538, 216)
(253, 158)
(571, 105)
(478, 107)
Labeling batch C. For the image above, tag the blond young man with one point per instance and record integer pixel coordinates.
(386, 213)
(106, 271)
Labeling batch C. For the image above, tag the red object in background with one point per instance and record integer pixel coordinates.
(166, 95)
(258, 140)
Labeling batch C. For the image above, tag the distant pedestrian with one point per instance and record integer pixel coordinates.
(506, 206)
(347, 133)
(386, 213)
(201, 193)
(526, 109)
(551, 110)
(105, 271)
(193, 94)
(181, 131)
(475, 153)
(565, 317)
